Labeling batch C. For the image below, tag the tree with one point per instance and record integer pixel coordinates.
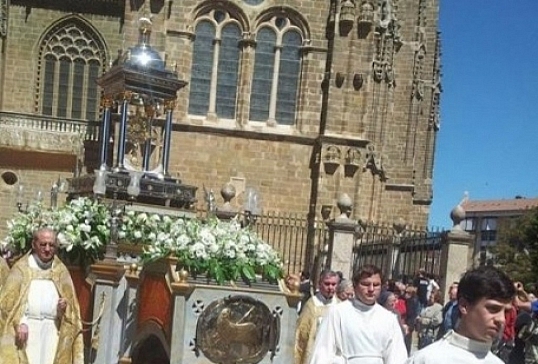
(516, 251)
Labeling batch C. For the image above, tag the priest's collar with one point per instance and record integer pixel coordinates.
(41, 264)
(477, 347)
(323, 299)
(359, 305)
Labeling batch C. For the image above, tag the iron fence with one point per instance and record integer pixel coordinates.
(400, 255)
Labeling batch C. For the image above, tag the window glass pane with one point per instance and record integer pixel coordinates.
(468, 224)
(78, 89)
(488, 235)
(92, 98)
(202, 67)
(263, 75)
(288, 78)
(63, 87)
(489, 223)
(48, 85)
(227, 71)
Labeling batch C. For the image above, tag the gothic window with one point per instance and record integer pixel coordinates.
(215, 66)
(71, 59)
(277, 68)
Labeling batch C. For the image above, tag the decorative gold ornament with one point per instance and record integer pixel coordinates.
(237, 329)
(183, 275)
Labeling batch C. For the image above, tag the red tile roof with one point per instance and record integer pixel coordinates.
(517, 204)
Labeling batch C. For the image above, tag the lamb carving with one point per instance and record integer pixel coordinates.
(245, 333)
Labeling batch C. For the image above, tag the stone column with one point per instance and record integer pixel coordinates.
(181, 291)
(130, 308)
(456, 256)
(110, 284)
(342, 232)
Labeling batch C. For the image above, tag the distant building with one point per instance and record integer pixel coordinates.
(484, 219)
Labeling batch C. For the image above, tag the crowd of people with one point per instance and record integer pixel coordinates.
(366, 320)
(487, 318)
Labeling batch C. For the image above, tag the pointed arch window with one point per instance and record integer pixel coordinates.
(277, 67)
(71, 59)
(215, 66)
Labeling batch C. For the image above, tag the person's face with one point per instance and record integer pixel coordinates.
(327, 286)
(44, 246)
(368, 288)
(453, 293)
(346, 294)
(391, 302)
(483, 320)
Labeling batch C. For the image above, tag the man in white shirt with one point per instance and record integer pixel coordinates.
(359, 330)
(484, 294)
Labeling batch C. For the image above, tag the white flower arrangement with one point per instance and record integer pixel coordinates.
(222, 250)
(83, 227)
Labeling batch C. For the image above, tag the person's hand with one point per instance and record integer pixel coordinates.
(22, 335)
(62, 305)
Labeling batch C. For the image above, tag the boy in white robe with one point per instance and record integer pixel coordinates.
(484, 294)
(359, 330)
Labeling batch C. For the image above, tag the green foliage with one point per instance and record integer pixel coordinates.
(516, 251)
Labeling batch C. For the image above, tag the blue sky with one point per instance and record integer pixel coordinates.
(488, 141)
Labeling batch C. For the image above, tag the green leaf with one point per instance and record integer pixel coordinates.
(248, 273)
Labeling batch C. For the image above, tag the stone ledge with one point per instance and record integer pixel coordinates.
(40, 140)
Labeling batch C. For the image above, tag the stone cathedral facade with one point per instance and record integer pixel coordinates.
(303, 100)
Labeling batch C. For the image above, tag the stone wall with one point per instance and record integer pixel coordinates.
(366, 117)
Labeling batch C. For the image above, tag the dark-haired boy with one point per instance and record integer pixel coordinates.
(484, 294)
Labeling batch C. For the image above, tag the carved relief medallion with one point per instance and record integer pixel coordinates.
(237, 329)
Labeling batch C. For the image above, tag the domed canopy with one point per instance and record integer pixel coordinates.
(141, 70)
(143, 55)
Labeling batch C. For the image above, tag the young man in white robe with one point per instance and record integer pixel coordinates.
(359, 330)
(484, 294)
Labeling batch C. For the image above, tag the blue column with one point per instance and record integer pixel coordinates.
(123, 134)
(147, 144)
(169, 105)
(104, 133)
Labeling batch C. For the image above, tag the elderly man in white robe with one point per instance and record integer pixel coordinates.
(312, 314)
(359, 330)
(39, 313)
(484, 295)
